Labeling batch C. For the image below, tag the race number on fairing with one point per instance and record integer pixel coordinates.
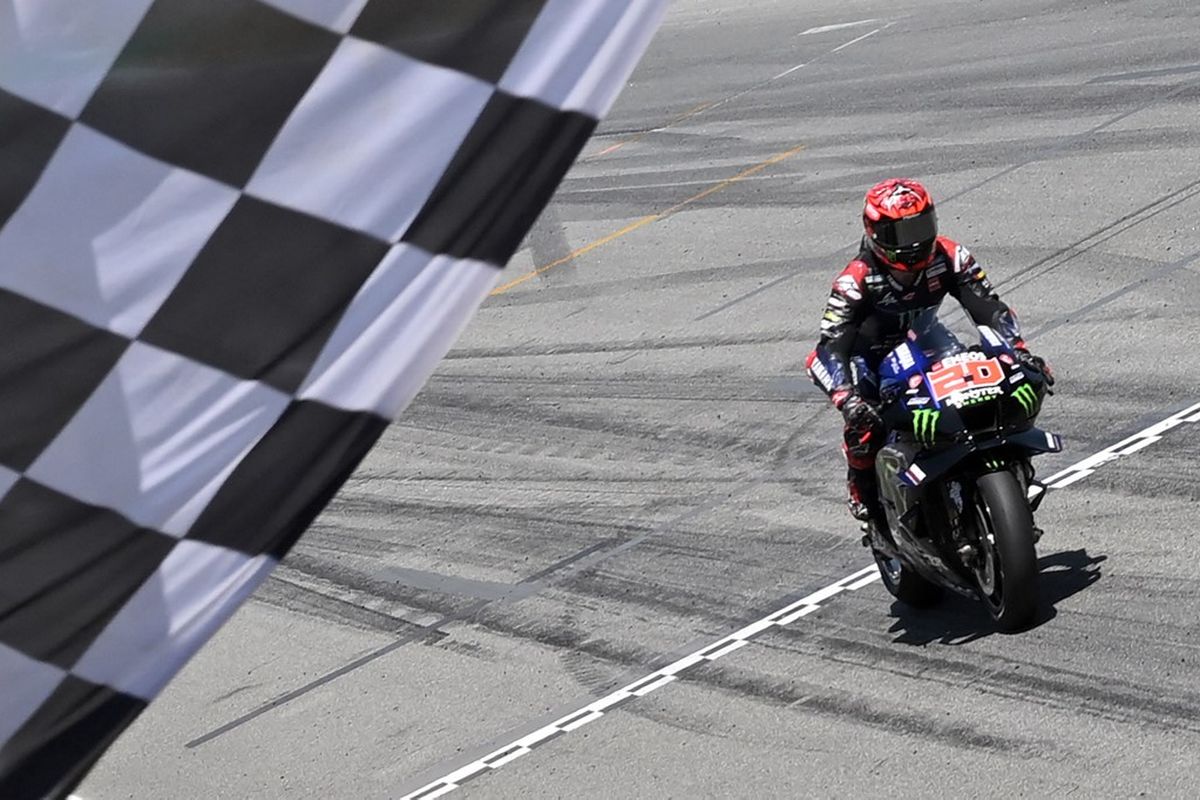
(953, 378)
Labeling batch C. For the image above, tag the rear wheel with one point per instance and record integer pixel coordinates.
(904, 583)
(1006, 571)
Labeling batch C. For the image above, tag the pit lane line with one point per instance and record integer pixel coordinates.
(790, 613)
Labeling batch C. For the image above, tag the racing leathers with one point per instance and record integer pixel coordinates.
(868, 313)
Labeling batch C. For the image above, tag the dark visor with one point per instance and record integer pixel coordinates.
(907, 232)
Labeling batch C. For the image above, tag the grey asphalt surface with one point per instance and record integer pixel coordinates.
(621, 459)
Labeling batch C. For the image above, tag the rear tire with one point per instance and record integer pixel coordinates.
(904, 583)
(1008, 581)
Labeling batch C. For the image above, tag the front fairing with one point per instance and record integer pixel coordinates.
(957, 403)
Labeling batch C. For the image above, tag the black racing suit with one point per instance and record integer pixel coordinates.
(869, 313)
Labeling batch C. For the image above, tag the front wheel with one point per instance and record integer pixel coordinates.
(904, 583)
(1006, 572)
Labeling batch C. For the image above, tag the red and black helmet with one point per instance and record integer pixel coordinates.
(900, 223)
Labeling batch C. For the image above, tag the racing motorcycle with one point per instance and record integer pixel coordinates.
(956, 486)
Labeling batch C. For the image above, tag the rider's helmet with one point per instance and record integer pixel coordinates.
(900, 224)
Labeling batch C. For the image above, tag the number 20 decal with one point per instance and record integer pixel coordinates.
(968, 375)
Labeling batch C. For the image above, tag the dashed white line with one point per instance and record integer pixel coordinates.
(790, 70)
(803, 611)
(589, 715)
(862, 582)
(728, 647)
(840, 48)
(1130, 444)
(643, 686)
(778, 618)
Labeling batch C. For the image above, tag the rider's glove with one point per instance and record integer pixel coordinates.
(860, 415)
(1035, 363)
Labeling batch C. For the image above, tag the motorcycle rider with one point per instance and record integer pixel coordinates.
(889, 291)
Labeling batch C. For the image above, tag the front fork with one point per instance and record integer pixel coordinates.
(1035, 491)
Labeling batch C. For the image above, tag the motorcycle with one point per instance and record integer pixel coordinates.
(955, 478)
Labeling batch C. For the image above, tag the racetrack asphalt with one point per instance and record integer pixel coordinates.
(621, 460)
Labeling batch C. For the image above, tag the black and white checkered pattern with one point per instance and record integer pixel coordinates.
(235, 238)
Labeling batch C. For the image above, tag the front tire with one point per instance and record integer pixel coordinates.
(904, 583)
(1007, 575)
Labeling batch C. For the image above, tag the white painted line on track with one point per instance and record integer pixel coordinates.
(792, 616)
(839, 26)
(861, 582)
(643, 686)
(840, 48)
(1130, 444)
(790, 70)
(778, 618)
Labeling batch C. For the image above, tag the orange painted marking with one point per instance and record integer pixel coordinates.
(649, 218)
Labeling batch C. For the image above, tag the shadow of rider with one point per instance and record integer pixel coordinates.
(959, 621)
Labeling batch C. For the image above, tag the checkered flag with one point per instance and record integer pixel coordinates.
(235, 238)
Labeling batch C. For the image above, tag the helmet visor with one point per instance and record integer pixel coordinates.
(911, 232)
(906, 243)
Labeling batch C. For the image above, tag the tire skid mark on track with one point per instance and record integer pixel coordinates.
(579, 562)
(1065, 143)
(1092, 240)
(693, 276)
(1120, 701)
(280, 592)
(633, 431)
(1157, 274)
(362, 588)
(718, 388)
(819, 701)
(780, 618)
(789, 335)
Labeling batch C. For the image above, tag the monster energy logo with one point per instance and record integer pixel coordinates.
(925, 422)
(1027, 397)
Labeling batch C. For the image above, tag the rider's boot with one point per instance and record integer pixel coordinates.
(862, 489)
(863, 495)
